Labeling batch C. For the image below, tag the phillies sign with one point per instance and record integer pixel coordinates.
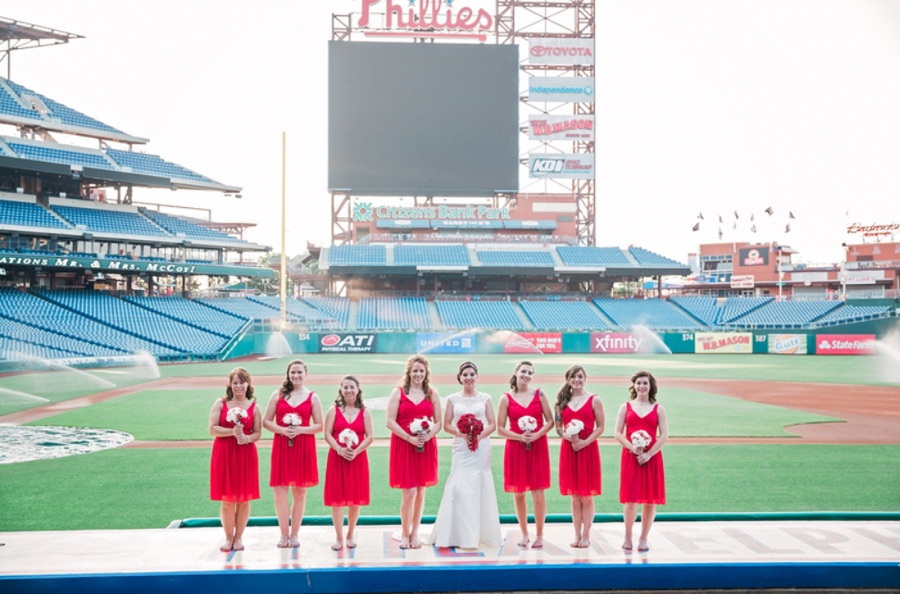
(426, 18)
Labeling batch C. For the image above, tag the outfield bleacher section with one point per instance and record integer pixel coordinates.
(154, 165)
(563, 315)
(785, 314)
(358, 255)
(705, 310)
(84, 324)
(492, 315)
(645, 257)
(64, 156)
(393, 313)
(655, 314)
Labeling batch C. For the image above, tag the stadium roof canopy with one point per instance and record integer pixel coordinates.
(21, 35)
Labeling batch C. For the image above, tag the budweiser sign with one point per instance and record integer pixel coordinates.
(873, 230)
(426, 18)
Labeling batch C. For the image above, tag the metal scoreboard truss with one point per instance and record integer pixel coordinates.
(515, 22)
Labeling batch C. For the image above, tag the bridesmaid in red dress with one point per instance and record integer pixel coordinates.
(347, 471)
(236, 423)
(579, 452)
(294, 415)
(643, 429)
(526, 459)
(414, 455)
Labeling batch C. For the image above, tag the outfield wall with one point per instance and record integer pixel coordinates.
(855, 339)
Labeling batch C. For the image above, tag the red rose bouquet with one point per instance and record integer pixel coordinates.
(469, 425)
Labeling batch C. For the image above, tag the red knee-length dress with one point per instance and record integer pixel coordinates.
(410, 468)
(234, 468)
(526, 469)
(347, 482)
(294, 465)
(647, 483)
(579, 472)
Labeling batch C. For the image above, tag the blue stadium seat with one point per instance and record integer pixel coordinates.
(563, 315)
(28, 214)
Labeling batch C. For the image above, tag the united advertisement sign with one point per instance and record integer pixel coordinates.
(444, 342)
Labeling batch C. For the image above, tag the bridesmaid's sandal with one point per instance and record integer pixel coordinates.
(584, 543)
(337, 546)
(538, 543)
(643, 546)
(627, 547)
(294, 542)
(351, 543)
(238, 545)
(284, 543)
(524, 542)
(226, 548)
(404, 542)
(414, 542)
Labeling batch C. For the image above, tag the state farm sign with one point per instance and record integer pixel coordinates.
(845, 344)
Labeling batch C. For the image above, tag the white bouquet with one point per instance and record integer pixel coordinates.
(291, 420)
(235, 414)
(348, 438)
(420, 426)
(641, 439)
(573, 428)
(527, 424)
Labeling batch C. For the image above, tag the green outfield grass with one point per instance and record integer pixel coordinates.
(143, 488)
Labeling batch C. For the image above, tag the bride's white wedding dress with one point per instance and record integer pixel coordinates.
(468, 515)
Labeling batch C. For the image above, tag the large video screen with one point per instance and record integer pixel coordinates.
(422, 119)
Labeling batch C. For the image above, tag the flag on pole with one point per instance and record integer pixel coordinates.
(696, 227)
(720, 219)
(753, 229)
(720, 233)
(787, 228)
(736, 215)
(700, 216)
(791, 215)
(753, 217)
(769, 211)
(734, 225)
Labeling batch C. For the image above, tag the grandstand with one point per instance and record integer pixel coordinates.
(87, 273)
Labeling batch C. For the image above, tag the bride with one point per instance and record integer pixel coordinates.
(468, 514)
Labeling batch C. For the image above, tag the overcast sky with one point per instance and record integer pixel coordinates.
(703, 106)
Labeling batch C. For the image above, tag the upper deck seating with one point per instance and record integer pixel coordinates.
(592, 256)
(431, 255)
(463, 315)
(28, 214)
(109, 221)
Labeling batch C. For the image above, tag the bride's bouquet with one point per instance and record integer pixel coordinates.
(420, 426)
(573, 428)
(348, 438)
(470, 425)
(291, 419)
(641, 439)
(527, 424)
